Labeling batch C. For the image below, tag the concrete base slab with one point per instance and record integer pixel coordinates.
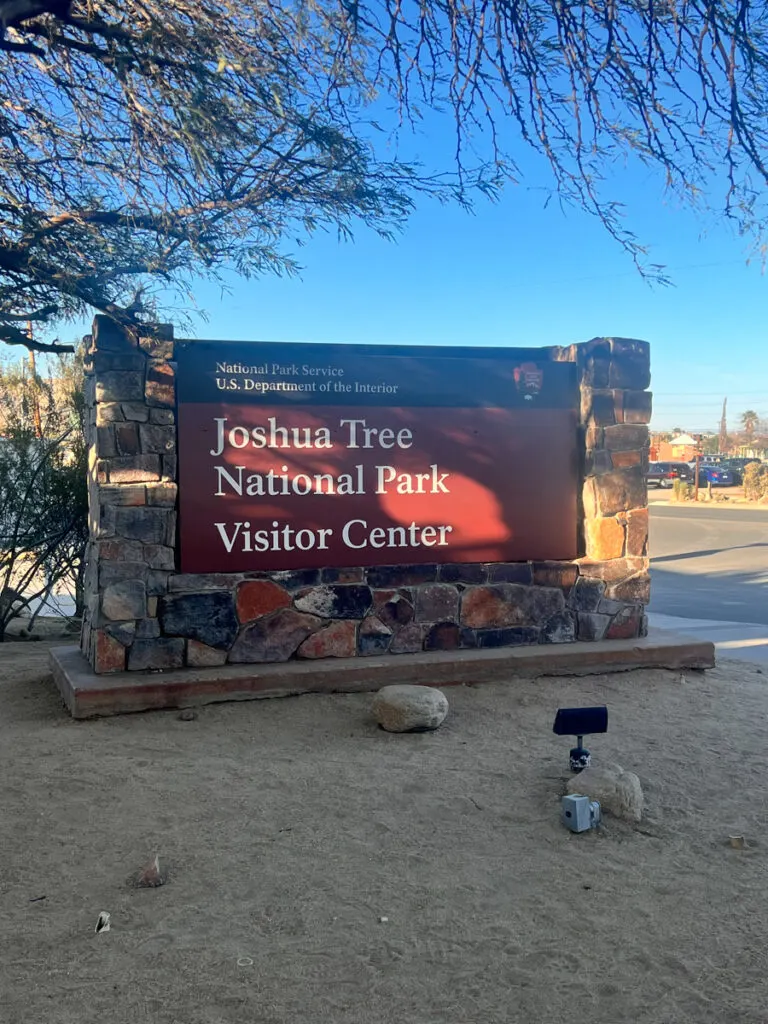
(88, 695)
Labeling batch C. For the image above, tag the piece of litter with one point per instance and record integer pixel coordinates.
(150, 876)
(383, 920)
(244, 961)
(737, 842)
(102, 925)
(36, 899)
(187, 715)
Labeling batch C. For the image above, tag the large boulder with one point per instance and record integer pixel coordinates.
(404, 708)
(618, 792)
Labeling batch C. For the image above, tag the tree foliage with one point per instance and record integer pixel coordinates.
(146, 142)
(43, 489)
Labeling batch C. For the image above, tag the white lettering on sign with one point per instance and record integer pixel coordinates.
(355, 534)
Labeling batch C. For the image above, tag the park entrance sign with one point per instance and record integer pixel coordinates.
(255, 503)
(306, 456)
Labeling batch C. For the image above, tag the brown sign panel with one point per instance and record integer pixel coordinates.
(306, 456)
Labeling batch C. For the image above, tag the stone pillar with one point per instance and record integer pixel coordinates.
(614, 583)
(131, 435)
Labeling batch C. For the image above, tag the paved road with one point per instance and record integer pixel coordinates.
(710, 563)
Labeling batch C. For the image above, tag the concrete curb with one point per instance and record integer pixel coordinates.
(88, 695)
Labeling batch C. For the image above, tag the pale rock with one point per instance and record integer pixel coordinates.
(404, 708)
(618, 792)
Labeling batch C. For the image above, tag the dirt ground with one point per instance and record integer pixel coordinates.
(323, 871)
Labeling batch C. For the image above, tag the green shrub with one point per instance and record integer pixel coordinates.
(756, 481)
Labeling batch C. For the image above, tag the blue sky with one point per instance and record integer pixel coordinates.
(519, 273)
(515, 273)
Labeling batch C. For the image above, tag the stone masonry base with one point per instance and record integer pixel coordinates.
(89, 695)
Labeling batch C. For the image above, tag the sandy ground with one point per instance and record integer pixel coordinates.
(291, 829)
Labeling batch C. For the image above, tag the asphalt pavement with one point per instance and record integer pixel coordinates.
(709, 569)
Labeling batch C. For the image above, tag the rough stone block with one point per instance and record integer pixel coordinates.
(158, 439)
(586, 594)
(635, 590)
(512, 636)
(128, 360)
(208, 617)
(630, 364)
(132, 469)
(124, 600)
(295, 579)
(192, 582)
(623, 460)
(436, 602)
(137, 412)
(331, 601)
(510, 572)
(159, 556)
(626, 437)
(256, 598)
(123, 632)
(401, 575)
(127, 435)
(560, 629)
(157, 584)
(170, 467)
(128, 494)
(343, 575)
(147, 629)
(108, 653)
(467, 573)
(119, 386)
(163, 417)
(613, 570)
(105, 441)
(107, 413)
(597, 407)
(594, 372)
(395, 612)
(442, 636)
(165, 493)
(373, 637)
(409, 639)
(338, 640)
(160, 389)
(275, 638)
(592, 625)
(626, 625)
(598, 461)
(202, 656)
(508, 604)
(148, 525)
(119, 572)
(107, 334)
(637, 531)
(555, 574)
(604, 537)
(159, 344)
(638, 406)
(621, 490)
(163, 653)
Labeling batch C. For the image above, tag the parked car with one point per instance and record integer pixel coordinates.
(737, 467)
(664, 474)
(718, 476)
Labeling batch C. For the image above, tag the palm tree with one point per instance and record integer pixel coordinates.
(749, 419)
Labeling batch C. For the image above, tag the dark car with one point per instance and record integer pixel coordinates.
(717, 475)
(664, 474)
(737, 467)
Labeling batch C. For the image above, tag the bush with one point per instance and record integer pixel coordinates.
(756, 482)
(43, 488)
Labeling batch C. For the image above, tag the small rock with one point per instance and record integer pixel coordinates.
(187, 715)
(405, 708)
(618, 792)
(150, 877)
